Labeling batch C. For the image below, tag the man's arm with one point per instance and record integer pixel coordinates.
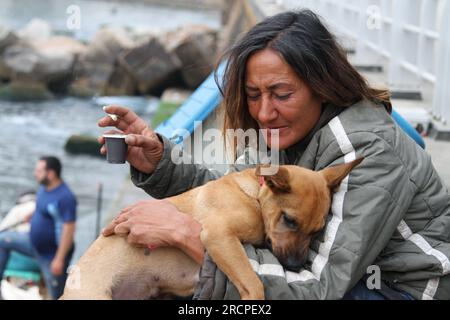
(66, 242)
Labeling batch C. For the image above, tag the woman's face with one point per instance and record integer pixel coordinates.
(278, 99)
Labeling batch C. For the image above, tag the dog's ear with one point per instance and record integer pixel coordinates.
(334, 175)
(278, 182)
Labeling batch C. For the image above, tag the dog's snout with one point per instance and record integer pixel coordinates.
(294, 263)
(269, 244)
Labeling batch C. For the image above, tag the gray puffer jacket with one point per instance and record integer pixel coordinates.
(392, 212)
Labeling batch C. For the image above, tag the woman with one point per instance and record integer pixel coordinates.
(392, 215)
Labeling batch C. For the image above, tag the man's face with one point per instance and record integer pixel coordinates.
(41, 173)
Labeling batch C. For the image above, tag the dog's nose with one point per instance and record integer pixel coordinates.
(269, 244)
(295, 263)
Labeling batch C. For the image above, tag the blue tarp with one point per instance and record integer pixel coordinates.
(197, 108)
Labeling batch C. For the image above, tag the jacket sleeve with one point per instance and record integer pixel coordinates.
(170, 178)
(366, 211)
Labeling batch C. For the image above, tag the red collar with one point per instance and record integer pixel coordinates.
(261, 181)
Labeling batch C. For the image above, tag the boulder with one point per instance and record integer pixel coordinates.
(43, 61)
(7, 38)
(95, 67)
(62, 54)
(107, 44)
(25, 90)
(195, 46)
(36, 30)
(83, 144)
(5, 72)
(150, 65)
(58, 45)
(21, 59)
(120, 83)
(90, 79)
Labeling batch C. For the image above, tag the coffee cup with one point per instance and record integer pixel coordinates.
(116, 148)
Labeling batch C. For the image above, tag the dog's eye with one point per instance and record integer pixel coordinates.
(289, 222)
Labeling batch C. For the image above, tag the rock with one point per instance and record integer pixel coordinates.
(61, 53)
(120, 83)
(83, 144)
(21, 59)
(107, 44)
(25, 91)
(58, 45)
(96, 67)
(150, 65)
(91, 79)
(195, 46)
(36, 30)
(44, 61)
(5, 72)
(7, 38)
(30, 63)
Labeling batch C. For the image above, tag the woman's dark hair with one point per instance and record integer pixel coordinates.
(310, 49)
(52, 163)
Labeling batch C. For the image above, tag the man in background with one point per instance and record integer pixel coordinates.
(52, 228)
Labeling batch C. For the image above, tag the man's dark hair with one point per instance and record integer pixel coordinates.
(52, 163)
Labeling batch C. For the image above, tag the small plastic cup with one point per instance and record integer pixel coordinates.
(116, 148)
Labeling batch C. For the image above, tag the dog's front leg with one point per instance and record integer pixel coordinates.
(228, 253)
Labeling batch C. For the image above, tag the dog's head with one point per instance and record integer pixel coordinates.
(295, 203)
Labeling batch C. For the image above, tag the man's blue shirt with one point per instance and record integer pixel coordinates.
(53, 209)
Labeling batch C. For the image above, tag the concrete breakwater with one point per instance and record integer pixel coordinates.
(35, 63)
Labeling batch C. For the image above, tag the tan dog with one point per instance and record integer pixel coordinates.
(286, 211)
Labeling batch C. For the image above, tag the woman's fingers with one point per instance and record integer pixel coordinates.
(109, 229)
(122, 229)
(123, 112)
(120, 123)
(101, 140)
(126, 118)
(135, 140)
(122, 217)
(123, 119)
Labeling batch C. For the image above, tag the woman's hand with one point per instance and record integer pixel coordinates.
(156, 223)
(144, 147)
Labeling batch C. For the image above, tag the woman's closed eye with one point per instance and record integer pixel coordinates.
(253, 97)
(281, 97)
(284, 96)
